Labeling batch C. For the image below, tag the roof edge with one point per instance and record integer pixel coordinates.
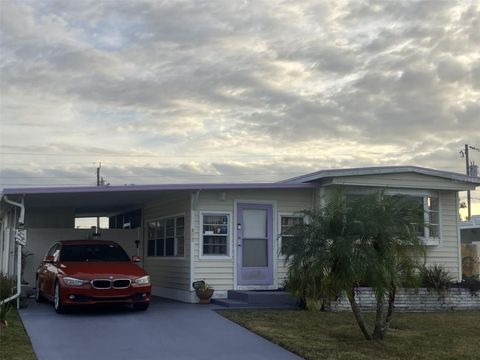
(380, 170)
(161, 187)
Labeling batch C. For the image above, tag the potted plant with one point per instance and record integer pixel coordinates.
(203, 291)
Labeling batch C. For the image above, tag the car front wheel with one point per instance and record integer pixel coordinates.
(59, 307)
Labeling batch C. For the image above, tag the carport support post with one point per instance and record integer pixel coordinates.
(19, 274)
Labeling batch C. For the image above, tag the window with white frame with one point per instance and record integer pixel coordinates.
(215, 234)
(431, 217)
(428, 224)
(166, 237)
(286, 222)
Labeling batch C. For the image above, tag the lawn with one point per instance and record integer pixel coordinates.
(446, 335)
(14, 341)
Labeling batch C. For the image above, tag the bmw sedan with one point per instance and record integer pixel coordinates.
(84, 272)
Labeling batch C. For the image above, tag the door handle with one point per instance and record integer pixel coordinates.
(239, 244)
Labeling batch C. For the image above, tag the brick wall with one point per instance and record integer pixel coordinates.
(416, 300)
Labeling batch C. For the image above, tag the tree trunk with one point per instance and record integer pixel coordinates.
(391, 306)
(378, 331)
(358, 315)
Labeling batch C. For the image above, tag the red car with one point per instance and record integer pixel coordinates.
(77, 272)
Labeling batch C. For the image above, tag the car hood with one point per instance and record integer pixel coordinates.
(99, 269)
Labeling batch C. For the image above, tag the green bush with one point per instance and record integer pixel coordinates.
(6, 289)
(436, 278)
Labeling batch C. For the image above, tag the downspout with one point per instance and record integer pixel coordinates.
(21, 222)
(193, 207)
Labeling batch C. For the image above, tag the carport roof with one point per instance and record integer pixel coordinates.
(157, 187)
(110, 199)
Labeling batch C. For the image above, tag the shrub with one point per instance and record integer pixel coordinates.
(5, 292)
(471, 283)
(436, 278)
(6, 289)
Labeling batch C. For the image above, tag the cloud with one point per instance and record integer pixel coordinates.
(245, 87)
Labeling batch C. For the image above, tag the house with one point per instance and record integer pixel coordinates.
(470, 237)
(225, 234)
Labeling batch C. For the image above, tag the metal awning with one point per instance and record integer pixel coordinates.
(111, 199)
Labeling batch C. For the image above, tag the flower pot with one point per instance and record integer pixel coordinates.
(204, 296)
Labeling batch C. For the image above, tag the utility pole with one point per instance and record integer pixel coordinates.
(98, 173)
(469, 198)
(468, 166)
(98, 184)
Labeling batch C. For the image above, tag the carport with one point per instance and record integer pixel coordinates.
(50, 213)
(166, 221)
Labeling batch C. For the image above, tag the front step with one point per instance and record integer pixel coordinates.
(257, 299)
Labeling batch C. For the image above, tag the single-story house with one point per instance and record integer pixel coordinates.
(225, 234)
(470, 236)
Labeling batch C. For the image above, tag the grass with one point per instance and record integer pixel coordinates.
(14, 341)
(446, 335)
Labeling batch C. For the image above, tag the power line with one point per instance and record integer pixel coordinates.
(146, 176)
(151, 155)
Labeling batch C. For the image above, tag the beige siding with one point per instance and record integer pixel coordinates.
(220, 273)
(447, 253)
(402, 180)
(168, 272)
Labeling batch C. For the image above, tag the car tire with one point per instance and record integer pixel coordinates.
(38, 294)
(57, 299)
(141, 306)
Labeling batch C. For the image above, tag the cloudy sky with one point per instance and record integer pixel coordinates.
(169, 91)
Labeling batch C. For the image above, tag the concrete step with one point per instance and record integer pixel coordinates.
(237, 304)
(257, 299)
(275, 297)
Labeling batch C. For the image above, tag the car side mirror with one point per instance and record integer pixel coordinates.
(49, 259)
(135, 258)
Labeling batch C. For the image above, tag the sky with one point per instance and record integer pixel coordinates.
(233, 91)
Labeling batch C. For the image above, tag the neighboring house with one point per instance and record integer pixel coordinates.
(470, 235)
(225, 234)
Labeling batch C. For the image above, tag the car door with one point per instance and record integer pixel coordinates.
(47, 272)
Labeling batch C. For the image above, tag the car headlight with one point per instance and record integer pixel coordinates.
(144, 280)
(72, 281)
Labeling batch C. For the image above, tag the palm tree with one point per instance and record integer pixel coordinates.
(370, 240)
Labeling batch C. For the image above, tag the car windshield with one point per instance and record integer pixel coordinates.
(93, 252)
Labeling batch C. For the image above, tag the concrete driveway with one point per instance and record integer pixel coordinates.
(167, 330)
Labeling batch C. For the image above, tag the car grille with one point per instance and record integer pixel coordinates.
(121, 284)
(107, 284)
(101, 284)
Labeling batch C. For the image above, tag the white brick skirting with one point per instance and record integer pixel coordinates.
(416, 300)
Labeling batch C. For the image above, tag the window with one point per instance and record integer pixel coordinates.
(286, 222)
(215, 233)
(166, 237)
(93, 252)
(428, 224)
(433, 217)
(54, 251)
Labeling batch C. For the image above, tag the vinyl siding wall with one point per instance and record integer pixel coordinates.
(447, 252)
(168, 272)
(220, 272)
